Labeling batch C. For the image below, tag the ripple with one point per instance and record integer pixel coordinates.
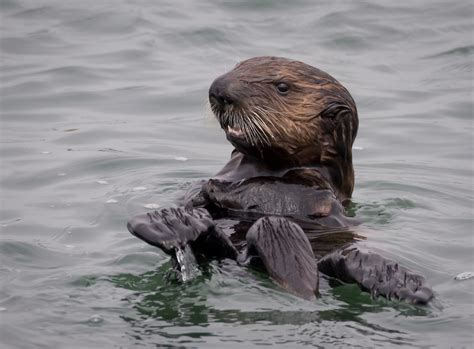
(33, 256)
(458, 51)
(116, 96)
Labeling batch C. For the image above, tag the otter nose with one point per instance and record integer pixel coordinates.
(219, 94)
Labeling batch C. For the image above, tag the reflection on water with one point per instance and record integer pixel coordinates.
(104, 115)
(159, 302)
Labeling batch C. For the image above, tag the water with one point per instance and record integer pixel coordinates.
(187, 265)
(99, 98)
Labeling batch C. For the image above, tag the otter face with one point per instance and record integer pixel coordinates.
(275, 108)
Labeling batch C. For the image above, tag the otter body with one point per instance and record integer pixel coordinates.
(289, 176)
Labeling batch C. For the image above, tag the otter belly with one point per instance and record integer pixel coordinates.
(280, 196)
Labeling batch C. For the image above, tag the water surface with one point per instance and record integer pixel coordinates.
(104, 115)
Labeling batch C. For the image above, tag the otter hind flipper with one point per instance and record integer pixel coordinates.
(376, 275)
(286, 253)
(174, 228)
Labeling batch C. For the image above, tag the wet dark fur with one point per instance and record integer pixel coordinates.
(279, 201)
(313, 124)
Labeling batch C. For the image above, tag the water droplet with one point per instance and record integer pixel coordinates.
(139, 189)
(102, 182)
(45, 152)
(358, 148)
(3, 309)
(181, 158)
(69, 246)
(95, 319)
(464, 276)
(152, 206)
(62, 174)
(111, 201)
(187, 263)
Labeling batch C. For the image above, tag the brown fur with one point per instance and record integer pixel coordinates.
(314, 124)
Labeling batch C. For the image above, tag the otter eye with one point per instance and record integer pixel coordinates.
(282, 88)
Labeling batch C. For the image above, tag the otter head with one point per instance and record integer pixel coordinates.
(288, 114)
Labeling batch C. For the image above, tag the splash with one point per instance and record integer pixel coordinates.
(187, 263)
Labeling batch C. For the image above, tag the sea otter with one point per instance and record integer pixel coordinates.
(285, 187)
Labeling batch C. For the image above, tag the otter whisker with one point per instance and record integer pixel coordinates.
(247, 134)
(269, 126)
(260, 125)
(268, 109)
(253, 134)
(266, 119)
(259, 135)
(250, 131)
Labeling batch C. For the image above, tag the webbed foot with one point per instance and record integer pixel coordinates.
(286, 253)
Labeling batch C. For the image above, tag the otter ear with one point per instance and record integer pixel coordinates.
(341, 121)
(339, 125)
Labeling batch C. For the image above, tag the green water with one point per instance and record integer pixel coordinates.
(104, 115)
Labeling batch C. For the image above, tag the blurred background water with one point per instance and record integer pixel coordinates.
(104, 115)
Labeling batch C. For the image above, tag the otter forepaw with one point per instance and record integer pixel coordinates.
(414, 289)
(376, 275)
(174, 228)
